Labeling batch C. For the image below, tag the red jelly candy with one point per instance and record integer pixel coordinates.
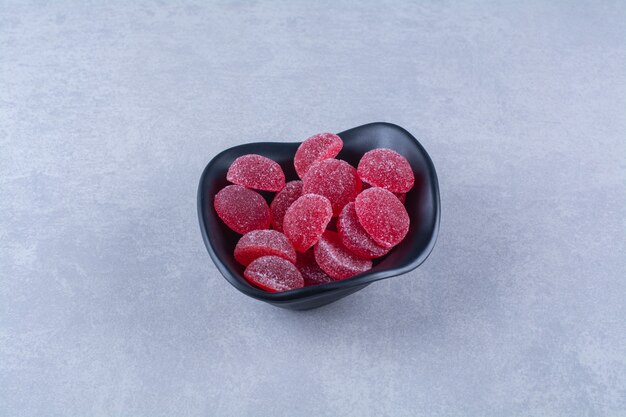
(282, 201)
(274, 274)
(310, 270)
(259, 243)
(382, 216)
(401, 196)
(316, 148)
(387, 169)
(335, 179)
(306, 220)
(354, 237)
(336, 260)
(256, 171)
(242, 210)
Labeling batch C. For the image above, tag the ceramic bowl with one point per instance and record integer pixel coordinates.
(422, 204)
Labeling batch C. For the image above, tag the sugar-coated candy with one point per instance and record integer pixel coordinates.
(306, 220)
(336, 260)
(327, 226)
(335, 179)
(316, 148)
(382, 215)
(274, 274)
(354, 237)
(310, 270)
(401, 196)
(387, 169)
(242, 210)
(256, 171)
(259, 243)
(282, 201)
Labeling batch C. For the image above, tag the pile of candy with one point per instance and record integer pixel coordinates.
(302, 248)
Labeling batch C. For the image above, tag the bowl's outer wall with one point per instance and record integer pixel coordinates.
(422, 204)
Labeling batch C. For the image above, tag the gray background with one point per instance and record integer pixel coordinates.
(110, 305)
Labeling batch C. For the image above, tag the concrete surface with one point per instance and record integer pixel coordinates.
(110, 305)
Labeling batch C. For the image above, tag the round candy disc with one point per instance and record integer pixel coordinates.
(256, 171)
(354, 237)
(273, 274)
(382, 215)
(259, 243)
(336, 260)
(335, 179)
(282, 201)
(316, 148)
(306, 220)
(386, 169)
(242, 210)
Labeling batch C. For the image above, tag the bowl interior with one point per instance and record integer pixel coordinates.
(422, 204)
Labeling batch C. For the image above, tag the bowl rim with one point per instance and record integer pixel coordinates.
(312, 291)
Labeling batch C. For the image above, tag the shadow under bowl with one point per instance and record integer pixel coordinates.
(422, 204)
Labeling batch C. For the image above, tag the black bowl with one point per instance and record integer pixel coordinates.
(422, 204)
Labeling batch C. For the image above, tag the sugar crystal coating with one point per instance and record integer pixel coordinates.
(282, 201)
(242, 210)
(382, 215)
(259, 243)
(387, 169)
(256, 171)
(335, 179)
(354, 237)
(336, 260)
(310, 270)
(306, 220)
(274, 274)
(401, 196)
(316, 148)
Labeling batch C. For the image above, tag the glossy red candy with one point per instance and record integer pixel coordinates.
(256, 171)
(336, 260)
(335, 179)
(242, 210)
(354, 237)
(282, 201)
(386, 169)
(310, 270)
(316, 148)
(259, 243)
(306, 219)
(274, 274)
(382, 215)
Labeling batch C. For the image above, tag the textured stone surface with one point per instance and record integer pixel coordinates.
(110, 305)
